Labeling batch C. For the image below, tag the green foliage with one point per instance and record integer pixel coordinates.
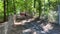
(28, 6)
(1, 9)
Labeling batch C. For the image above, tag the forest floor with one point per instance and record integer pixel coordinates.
(35, 26)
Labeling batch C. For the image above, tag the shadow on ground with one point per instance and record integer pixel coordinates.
(37, 26)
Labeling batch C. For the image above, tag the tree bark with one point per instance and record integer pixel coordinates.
(34, 3)
(4, 10)
(39, 8)
(14, 6)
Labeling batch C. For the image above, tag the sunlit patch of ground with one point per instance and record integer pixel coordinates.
(23, 22)
(47, 27)
(34, 27)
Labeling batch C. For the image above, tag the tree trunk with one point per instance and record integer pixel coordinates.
(39, 8)
(4, 10)
(14, 6)
(34, 3)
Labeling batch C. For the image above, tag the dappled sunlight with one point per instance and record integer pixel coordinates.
(46, 27)
(29, 17)
(34, 32)
(27, 30)
(52, 16)
(23, 21)
(33, 26)
(38, 21)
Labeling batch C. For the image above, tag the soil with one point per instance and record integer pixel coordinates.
(34, 27)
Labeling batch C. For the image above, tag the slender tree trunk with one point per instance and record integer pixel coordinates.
(14, 9)
(39, 8)
(4, 10)
(34, 8)
(26, 6)
(7, 9)
(34, 3)
(48, 11)
(14, 6)
(49, 4)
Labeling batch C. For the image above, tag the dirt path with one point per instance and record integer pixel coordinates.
(34, 27)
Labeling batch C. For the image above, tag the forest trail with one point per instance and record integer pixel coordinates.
(34, 27)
